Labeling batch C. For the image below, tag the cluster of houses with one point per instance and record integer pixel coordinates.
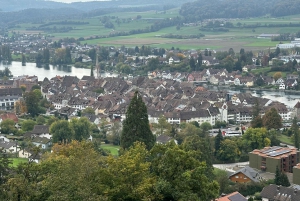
(177, 101)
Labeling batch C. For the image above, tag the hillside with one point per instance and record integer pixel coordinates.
(203, 9)
(17, 5)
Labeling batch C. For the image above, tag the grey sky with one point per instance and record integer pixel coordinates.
(70, 1)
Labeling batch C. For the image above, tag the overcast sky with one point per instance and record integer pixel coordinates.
(70, 1)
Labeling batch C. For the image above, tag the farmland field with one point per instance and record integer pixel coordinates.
(236, 37)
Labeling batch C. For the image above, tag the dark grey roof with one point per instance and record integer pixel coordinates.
(90, 117)
(280, 193)
(41, 140)
(249, 172)
(11, 91)
(7, 145)
(164, 139)
(40, 129)
(237, 197)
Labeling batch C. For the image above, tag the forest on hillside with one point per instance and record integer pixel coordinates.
(203, 9)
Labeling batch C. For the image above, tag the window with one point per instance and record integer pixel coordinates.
(237, 177)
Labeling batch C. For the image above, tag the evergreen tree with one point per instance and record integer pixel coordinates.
(199, 61)
(218, 140)
(4, 166)
(92, 70)
(46, 56)
(295, 129)
(136, 125)
(23, 60)
(256, 120)
(192, 64)
(277, 176)
(284, 181)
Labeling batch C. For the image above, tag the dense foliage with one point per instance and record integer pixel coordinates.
(76, 171)
(203, 9)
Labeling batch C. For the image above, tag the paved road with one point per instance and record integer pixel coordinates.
(230, 165)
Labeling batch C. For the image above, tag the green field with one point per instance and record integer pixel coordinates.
(17, 161)
(285, 139)
(114, 150)
(260, 70)
(236, 37)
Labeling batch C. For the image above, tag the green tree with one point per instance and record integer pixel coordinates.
(228, 151)
(28, 125)
(284, 181)
(32, 102)
(192, 64)
(163, 126)
(92, 71)
(88, 110)
(202, 150)
(4, 166)
(40, 120)
(81, 127)
(189, 130)
(199, 61)
(115, 134)
(180, 175)
(23, 60)
(61, 131)
(205, 126)
(218, 139)
(255, 138)
(51, 120)
(136, 125)
(8, 126)
(46, 56)
(295, 129)
(277, 176)
(272, 119)
(257, 121)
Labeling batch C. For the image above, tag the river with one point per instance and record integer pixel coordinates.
(49, 71)
(288, 99)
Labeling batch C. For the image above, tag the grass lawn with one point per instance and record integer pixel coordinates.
(273, 72)
(261, 70)
(17, 161)
(285, 139)
(114, 150)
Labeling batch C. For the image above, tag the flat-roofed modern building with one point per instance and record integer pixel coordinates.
(268, 158)
(296, 174)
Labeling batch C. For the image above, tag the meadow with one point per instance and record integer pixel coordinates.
(236, 37)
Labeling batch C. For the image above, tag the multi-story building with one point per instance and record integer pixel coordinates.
(269, 158)
(8, 96)
(296, 174)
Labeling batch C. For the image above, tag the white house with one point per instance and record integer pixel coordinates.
(282, 86)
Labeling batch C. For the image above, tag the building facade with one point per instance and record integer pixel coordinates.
(268, 158)
(296, 174)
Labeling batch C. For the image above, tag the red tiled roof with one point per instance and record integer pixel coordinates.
(11, 116)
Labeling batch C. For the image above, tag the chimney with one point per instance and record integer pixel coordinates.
(278, 188)
(295, 191)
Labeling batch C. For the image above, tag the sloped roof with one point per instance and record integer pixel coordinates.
(297, 105)
(248, 172)
(280, 193)
(235, 196)
(11, 116)
(40, 129)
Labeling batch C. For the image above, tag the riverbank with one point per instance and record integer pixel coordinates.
(238, 88)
